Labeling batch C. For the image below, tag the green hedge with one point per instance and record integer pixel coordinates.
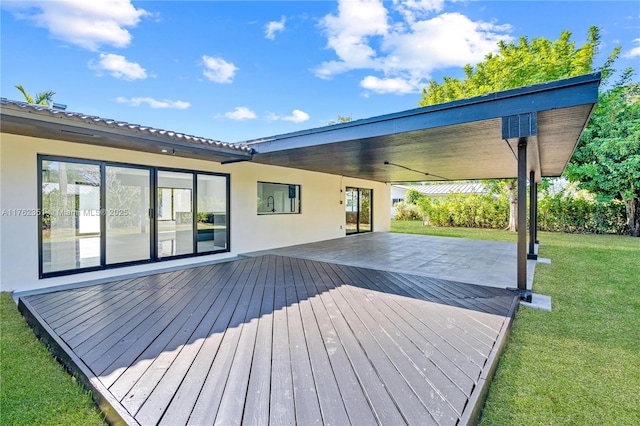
(555, 213)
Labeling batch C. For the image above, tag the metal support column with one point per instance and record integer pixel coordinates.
(535, 216)
(522, 219)
(533, 198)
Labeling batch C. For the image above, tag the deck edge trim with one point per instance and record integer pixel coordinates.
(114, 412)
(475, 404)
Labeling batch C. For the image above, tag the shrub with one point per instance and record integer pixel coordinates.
(406, 211)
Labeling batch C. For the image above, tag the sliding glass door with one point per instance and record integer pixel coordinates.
(175, 213)
(358, 210)
(128, 204)
(70, 215)
(97, 215)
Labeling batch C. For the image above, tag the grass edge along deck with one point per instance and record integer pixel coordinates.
(115, 412)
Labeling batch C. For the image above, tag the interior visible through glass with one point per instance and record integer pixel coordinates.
(175, 213)
(127, 214)
(70, 215)
(212, 213)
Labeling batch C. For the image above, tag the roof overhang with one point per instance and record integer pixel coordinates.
(42, 122)
(458, 140)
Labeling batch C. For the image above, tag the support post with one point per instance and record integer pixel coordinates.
(533, 193)
(522, 219)
(535, 215)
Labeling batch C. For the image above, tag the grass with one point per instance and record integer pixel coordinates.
(34, 388)
(580, 363)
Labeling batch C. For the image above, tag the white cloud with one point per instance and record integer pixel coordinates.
(633, 52)
(88, 24)
(153, 103)
(389, 85)
(405, 51)
(349, 33)
(296, 116)
(218, 70)
(274, 26)
(240, 113)
(119, 67)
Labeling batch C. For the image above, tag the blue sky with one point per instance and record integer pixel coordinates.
(241, 70)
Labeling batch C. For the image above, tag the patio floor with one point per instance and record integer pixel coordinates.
(487, 263)
(280, 340)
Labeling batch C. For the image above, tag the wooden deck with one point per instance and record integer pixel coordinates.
(279, 340)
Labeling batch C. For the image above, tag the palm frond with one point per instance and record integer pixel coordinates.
(26, 95)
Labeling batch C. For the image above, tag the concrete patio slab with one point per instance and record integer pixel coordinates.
(487, 263)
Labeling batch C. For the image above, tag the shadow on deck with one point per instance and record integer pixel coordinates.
(280, 340)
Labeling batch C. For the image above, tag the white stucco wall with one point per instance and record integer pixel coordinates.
(322, 216)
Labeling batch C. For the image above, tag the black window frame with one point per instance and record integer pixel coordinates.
(153, 202)
(259, 213)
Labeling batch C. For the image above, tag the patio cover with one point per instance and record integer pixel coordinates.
(458, 140)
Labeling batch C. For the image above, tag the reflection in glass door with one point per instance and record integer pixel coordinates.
(175, 213)
(358, 203)
(128, 203)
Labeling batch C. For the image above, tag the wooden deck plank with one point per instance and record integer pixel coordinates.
(133, 361)
(147, 370)
(235, 390)
(167, 372)
(421, 322)
(392, 366)
(96, 321)
(355, 399)
(430, 354)
(307, 408)
(256, 408)
(330, 400)
(174, 399)
(117, 322)
(384, 406)
(281, 340)
(138, 338)
(281, 407)
(208, 401)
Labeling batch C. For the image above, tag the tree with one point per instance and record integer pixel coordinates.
(519, 64)
(43, 98)
(341, 119)
(607, 160)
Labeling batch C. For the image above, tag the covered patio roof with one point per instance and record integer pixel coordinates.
(473, 138)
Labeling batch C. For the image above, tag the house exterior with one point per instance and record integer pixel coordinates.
(50, 238)
(85, 199)
(399, 192)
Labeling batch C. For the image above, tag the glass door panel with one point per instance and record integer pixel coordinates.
(212, 213)
(358, 210)
(70, 216)
(175, 213)
(364, 210)
(128, 227)
(351, 203)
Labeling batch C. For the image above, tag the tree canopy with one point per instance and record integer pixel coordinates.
(607, 160)
(520, 64)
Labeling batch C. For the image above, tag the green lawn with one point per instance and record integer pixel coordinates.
(577, 365)
(580, 363)
(34, 388)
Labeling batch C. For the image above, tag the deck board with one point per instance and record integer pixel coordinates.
(282, 340)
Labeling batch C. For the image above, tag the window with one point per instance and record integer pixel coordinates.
(278, 198)
(96, 215)
(70, 215)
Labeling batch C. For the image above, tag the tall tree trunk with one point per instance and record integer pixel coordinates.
(633, 216)
(513, 206)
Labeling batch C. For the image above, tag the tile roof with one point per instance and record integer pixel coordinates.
(134, 129)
